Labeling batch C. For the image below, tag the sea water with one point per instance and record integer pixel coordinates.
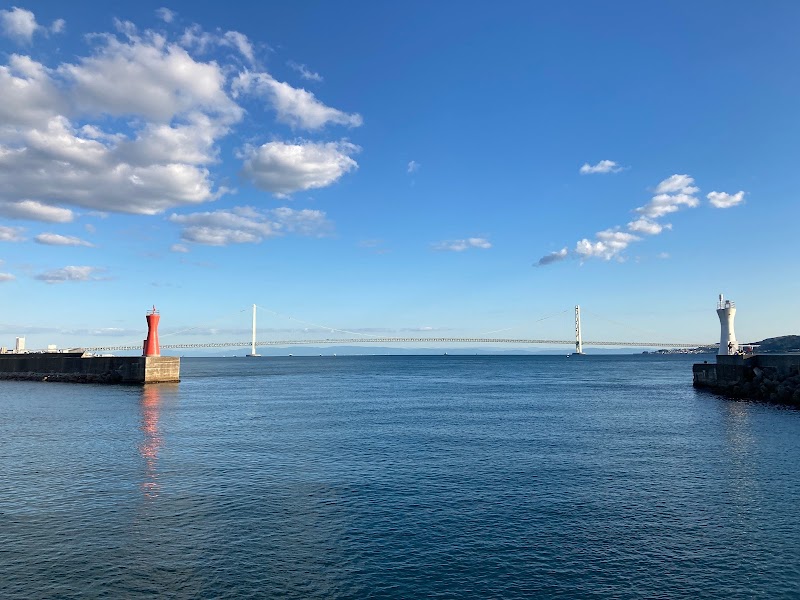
(399, 477)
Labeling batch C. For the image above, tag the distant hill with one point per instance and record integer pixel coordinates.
(784, 343)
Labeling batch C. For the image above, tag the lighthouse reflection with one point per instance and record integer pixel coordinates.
(150, 405)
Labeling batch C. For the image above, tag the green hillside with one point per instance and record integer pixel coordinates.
(784, 343)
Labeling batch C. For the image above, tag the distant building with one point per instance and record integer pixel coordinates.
(52, 348)
(19, 346)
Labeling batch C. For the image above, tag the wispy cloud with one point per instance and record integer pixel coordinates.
(166, 14)
(55, 239)
(304, 71)
(461, 245)
(70, 273)
(7, 277)
(247, 225)
(413, 166)
(604, 166)
(11, 234)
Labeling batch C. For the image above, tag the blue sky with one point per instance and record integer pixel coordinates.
(397, 169)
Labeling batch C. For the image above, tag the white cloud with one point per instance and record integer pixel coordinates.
(70, 273)
(664, 204)
(413, 166)
(643, 225)
(553, 257)
(239, 41)
(246, 224)
(35, 211)
(166, 15)
(181, 248)
(135, 127)
(294, 106)
(11, 234)
(677, 183)
(304, 71)
(7, 277)
(18, 24)
(55, 239)
(671, 194)
(604, 166)
(181, 105)
(461, 245)
(663, 255)
(610, 244)
(725, 200)
(150, 78)
(283, 168)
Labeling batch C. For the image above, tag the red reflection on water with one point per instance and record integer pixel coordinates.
(150, 406)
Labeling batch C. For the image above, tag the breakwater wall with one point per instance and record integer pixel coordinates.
(77, 367)
(772, 377)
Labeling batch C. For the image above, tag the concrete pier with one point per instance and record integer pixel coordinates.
(78, 367)
(772, 377)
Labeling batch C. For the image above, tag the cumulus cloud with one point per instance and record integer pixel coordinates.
(7, 277)
(245, 224)
(18, 24)
(647, 226)
(283, 168)
(304, 71)
(609, 244)
(413, 166)
(604, 166)
(11, 234)
(70, 273)
(135, 127)
(671, 195)
(461, 245)
(677, 183)
(725, 200)
(553, 257)
(35, 211)
(55, 239)
(294, 106)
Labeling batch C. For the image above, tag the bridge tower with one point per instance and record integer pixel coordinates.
(253, 343)
(578, 340)
(726, 311)
(151, 346)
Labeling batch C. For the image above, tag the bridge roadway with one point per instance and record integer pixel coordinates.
(397, 340)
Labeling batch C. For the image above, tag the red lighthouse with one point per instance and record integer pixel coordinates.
(151, 347)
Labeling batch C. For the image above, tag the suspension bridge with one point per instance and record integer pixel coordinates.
(360, 338)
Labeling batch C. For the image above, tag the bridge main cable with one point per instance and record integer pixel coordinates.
(403, 340)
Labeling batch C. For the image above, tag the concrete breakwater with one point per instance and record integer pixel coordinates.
(77, 367)
(771, 377)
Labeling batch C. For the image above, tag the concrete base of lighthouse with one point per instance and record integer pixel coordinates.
(161, 369)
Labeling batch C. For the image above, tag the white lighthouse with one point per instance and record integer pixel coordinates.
(726, 310)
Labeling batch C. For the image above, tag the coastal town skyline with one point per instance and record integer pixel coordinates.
(396, 169)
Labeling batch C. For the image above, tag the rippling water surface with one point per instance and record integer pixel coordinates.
(399, 477)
